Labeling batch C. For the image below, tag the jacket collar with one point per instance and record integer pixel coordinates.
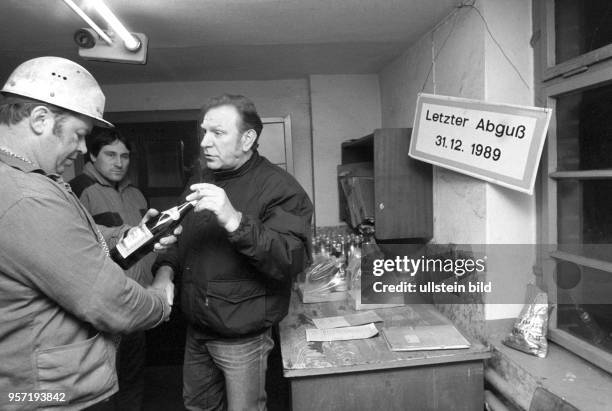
(91, 171)
(19, 164)
(26, 167)
(221, 175)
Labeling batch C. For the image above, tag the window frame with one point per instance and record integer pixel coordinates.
(592, 69)
(574, 65)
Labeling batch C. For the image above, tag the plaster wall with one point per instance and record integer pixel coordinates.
(343, 107)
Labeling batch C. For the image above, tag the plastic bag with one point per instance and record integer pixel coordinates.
(325, 275)
(529, 331)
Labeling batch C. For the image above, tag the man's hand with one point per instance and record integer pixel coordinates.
(213, 198)
(163, 281)
(165, 242)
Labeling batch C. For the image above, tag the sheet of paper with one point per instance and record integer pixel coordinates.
(424, 337)
(339, 334)
(364, 317)
(330, 322)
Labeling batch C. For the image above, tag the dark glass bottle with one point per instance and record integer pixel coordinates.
(139, 241)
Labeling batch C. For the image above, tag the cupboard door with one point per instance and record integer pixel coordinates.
(403, 188)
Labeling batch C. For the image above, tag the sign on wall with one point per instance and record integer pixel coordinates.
(498, 143)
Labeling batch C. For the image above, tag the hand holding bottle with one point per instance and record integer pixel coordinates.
(165, 242)
(156, 232)
(213, 198)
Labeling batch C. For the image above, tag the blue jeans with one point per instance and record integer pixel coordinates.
(227, 374)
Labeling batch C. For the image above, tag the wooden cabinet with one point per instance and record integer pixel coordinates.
(402, 201)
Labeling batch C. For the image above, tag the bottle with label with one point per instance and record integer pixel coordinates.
(139, 240)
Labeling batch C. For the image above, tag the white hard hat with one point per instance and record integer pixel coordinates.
(60, 82)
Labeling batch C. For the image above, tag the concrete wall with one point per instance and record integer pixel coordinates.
(343, 107)
(272, 98)
(469, 64)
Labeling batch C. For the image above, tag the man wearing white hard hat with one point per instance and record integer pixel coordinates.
(61, 296)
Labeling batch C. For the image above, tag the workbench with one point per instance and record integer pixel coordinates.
(365, 375)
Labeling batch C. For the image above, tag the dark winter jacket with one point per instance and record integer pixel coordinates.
(238, 284)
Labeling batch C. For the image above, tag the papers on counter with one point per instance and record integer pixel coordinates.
(341, 334)
(424, 337)
(344, 327)
(347, 320)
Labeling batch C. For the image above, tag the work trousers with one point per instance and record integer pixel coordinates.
(227, 374)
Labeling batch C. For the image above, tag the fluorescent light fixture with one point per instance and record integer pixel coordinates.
(131, 42)
(89, 21)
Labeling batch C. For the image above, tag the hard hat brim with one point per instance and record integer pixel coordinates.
(97, 121)
(100, 122)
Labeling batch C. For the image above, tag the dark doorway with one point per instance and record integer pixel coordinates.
(165, 147)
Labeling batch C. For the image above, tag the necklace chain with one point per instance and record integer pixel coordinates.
(101, 240)
(17, 156)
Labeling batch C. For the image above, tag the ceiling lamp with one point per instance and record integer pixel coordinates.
(119, 45)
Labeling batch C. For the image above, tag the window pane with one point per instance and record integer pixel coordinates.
(584, 129)
(584, 211)
(583, 286)
(592, 323)
(584, 297)
(581, 26)
(166, 160)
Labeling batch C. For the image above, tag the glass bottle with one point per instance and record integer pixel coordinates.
(139, 241)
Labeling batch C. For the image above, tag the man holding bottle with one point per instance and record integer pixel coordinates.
(237, 258)
(113, 201)
(61, 296)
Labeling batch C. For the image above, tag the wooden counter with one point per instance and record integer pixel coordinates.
(366, 375)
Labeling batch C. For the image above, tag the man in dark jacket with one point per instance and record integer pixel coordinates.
(237, 256)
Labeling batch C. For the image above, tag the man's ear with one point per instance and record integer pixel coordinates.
(40, 118)
(248, 139)
(92, 157)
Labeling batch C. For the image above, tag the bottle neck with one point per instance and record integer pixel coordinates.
(175, 213)
(188, 204)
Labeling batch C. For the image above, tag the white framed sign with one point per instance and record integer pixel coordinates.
(499, 143)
